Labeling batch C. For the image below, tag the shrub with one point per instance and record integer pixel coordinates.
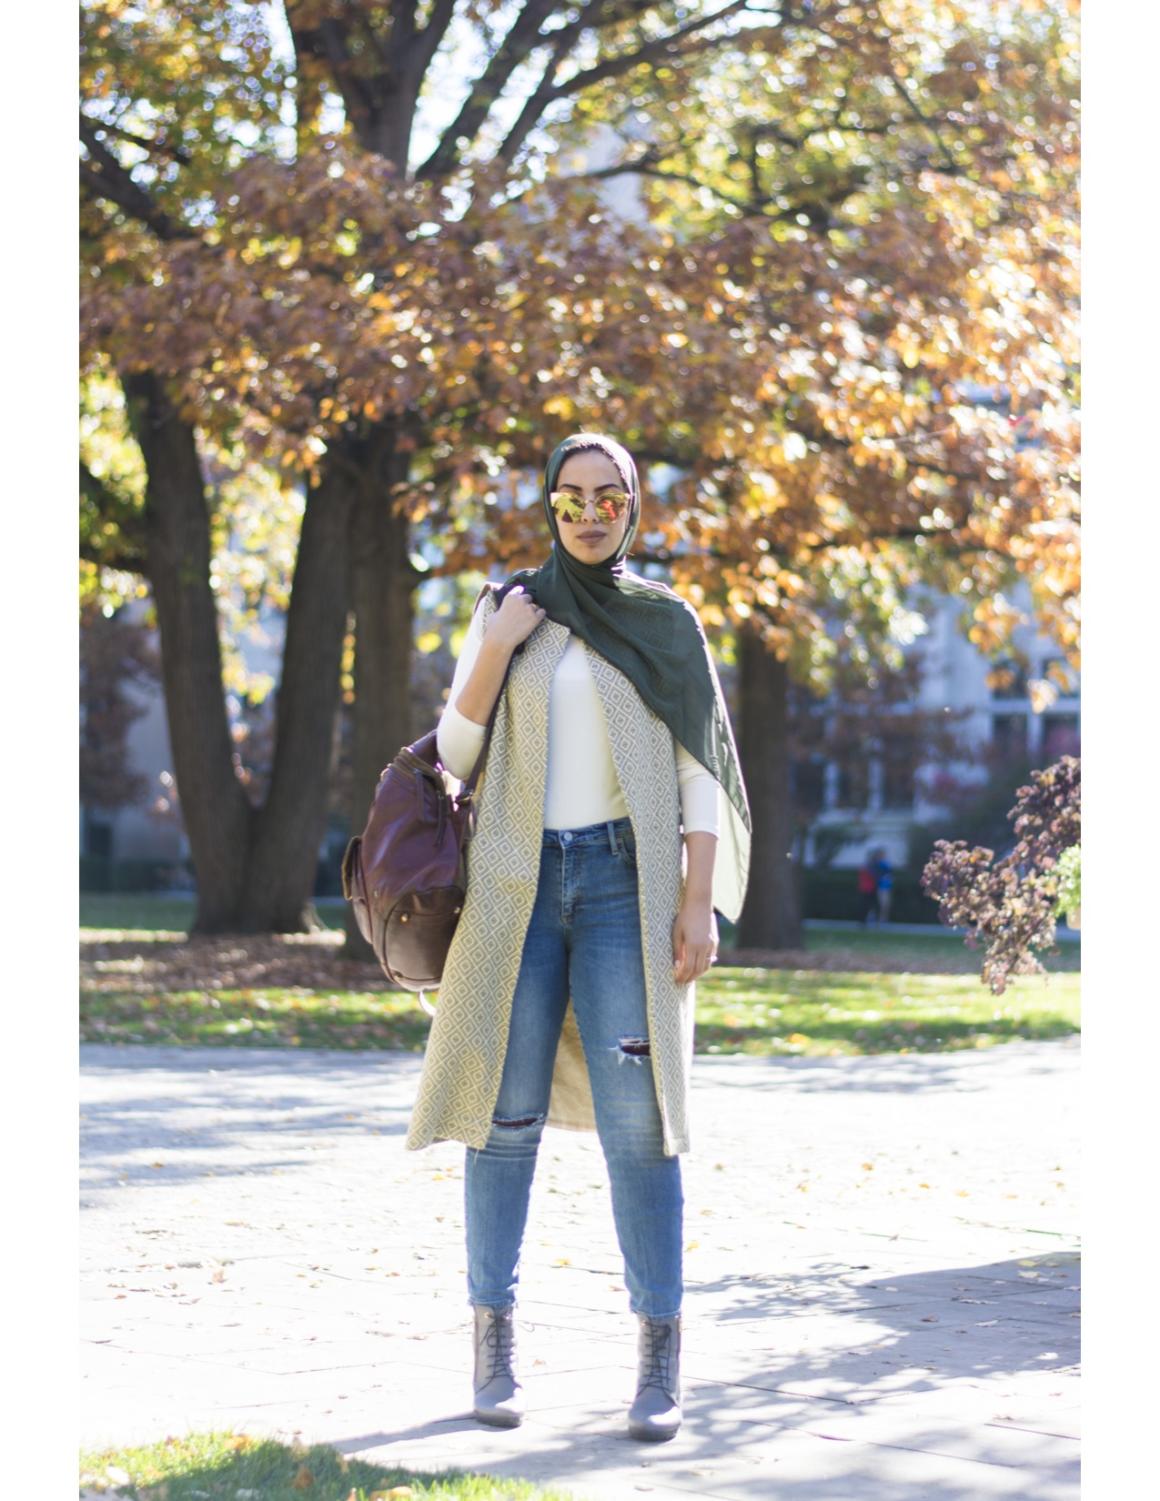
(1011, 904)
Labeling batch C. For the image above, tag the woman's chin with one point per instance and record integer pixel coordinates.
(591, 552)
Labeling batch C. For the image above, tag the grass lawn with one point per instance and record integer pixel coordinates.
(920, 949)
(275, 1017)
(826, 1014)
(848, 992)
(237, 1467)
(882, 947)
(761, 1012)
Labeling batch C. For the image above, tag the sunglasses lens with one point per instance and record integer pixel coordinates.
(610, 505)
(566, 506)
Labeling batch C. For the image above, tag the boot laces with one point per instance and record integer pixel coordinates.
(658, 1350)
(498, 1341)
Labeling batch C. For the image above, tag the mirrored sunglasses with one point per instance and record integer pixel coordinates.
(610, 505)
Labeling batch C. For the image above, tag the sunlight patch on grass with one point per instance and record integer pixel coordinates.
(813, 1013)
(258, 1018)
(759, 1012)
(229, 1466)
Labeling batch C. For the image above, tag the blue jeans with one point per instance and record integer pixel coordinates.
(583, 939)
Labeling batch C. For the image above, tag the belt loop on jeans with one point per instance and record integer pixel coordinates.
(611, 835)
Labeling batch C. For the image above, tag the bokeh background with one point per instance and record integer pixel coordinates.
(349, 272)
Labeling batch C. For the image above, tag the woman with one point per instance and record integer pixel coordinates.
(567, 995)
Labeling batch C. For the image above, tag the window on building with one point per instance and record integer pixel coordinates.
(98, 837)
(1009, 679)
(1060, 736)
(854, 783)
(1058, 670)
(899, 764)
(1009, 736)
(809, 783)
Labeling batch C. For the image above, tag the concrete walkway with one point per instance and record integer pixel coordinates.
(882, 1268)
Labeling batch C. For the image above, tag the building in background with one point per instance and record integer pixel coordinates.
(878, 806)
(1000, 724)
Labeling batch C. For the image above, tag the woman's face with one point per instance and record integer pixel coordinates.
(585, 475)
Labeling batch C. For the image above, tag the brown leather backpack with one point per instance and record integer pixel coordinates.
(406, 873)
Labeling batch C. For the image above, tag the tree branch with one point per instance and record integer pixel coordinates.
(128, 551)
(666, 47)
(104, 177)
(155, 148)
(643, 167)
(424, 44)
(123, 560)
(666, 557)
(326, 42)
(541, 96)
(356, 95)
(952, 167)
(523, 38)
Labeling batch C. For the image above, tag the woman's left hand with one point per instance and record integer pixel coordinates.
(694, 939)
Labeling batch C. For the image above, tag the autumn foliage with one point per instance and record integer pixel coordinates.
(842, 214)
(1011, 904)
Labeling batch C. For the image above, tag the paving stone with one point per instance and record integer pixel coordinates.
(882, 1275)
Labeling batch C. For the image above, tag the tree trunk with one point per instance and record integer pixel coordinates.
(214, 807)
(382, 581)
(283, 861)
(771, 917)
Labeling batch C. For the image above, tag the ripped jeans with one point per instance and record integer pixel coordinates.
(583, 939)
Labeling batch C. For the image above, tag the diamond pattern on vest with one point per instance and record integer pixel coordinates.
(463, 1062)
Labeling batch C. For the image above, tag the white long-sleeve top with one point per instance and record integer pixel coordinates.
(582, 786)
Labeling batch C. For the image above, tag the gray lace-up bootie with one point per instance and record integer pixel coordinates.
(499, 1397)
(655, 1414)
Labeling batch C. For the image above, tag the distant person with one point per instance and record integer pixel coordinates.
(867, 893)
(885, 874)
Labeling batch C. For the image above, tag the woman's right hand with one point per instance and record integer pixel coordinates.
(515, 620)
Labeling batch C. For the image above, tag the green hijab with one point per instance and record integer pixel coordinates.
(656, 640)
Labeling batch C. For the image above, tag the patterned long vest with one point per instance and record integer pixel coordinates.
(463, 1064)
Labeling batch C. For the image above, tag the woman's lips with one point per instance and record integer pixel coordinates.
(591, 536)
